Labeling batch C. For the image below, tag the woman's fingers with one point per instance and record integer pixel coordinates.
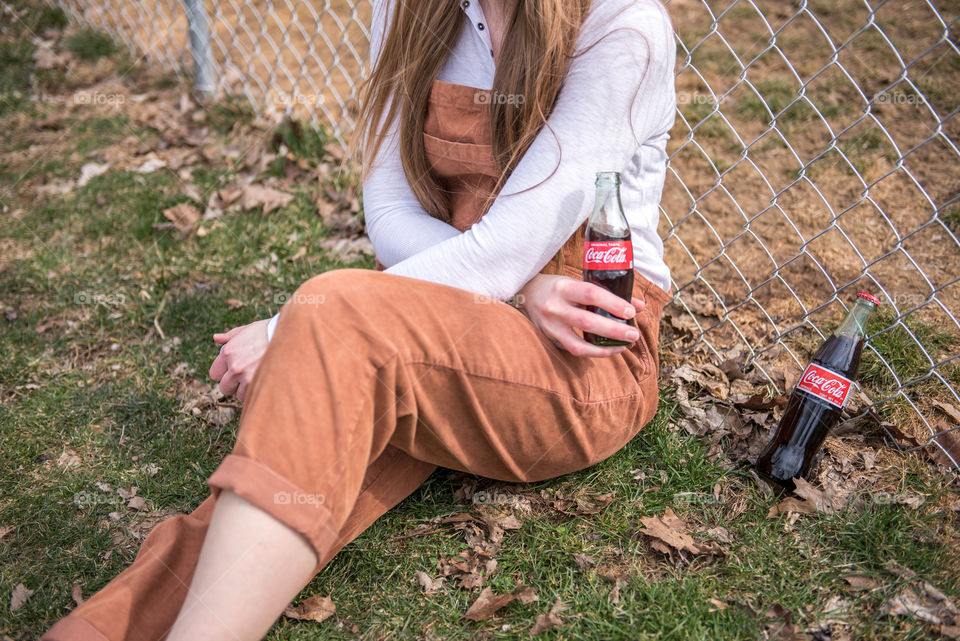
(570, 341)
(229, 383)
(592, 295)
(594, 323)
(219, 366)
(223, 337)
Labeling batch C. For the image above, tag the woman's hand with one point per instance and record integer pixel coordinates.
(243, 347)
(554, 304)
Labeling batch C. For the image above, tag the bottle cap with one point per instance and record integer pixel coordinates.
(870, 297)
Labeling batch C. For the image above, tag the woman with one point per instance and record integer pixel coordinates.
(477, 182)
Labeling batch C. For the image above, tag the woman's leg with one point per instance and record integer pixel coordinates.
(143, 601)
(250, 567)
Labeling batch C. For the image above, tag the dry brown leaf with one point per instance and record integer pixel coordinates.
(428, 583)
(488, 602)
(183, 216)
(68, 460)
(90, 171)
(717, 604)
(614, 595)
(860, 582)
(315, 608)
(950, 410)
(19, 596)
(233, 303)
(5, 530)
(923, 602)
(549, 620)
(584, 561)
(254, 196)
(77, 594)
(895, 568)
(668, 532)
(791, 505)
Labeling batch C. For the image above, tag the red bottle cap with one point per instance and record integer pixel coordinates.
(870, 297)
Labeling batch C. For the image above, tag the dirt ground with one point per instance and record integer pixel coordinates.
(801, 171)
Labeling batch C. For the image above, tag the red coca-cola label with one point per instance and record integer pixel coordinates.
(826, 384)
(608, 254)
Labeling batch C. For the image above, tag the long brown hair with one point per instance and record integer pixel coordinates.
(536, 51)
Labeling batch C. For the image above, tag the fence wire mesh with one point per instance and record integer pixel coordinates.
(814, 155)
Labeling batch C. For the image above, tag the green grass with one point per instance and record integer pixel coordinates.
(16, 57)
(900, 350)
(91, 44)
(951, 218)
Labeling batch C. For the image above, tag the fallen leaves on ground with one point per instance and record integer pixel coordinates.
(484, 536)
(207, 402)
(68, 460)
(581, 503)
(549, 620)
(428, 583)
(921, 600)
(315, 608)
(19, 597)
(77, 594)
(668, 534)
(183, 216)
(488, 602)
(253, 196)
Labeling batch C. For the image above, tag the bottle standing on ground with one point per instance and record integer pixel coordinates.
(816, 403)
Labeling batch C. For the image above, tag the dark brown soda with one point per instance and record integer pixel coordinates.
(808, 418)
(618, 281)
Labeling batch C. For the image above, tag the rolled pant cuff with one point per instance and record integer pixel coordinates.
(73, 628)
(276, 495)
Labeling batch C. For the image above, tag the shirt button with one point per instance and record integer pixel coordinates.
(480, 26)
(465, 4)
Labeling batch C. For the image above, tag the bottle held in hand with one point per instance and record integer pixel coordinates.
(816, 403)
(607, 249)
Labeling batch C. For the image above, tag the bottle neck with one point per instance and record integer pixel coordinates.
(608, 195)
(855, 324)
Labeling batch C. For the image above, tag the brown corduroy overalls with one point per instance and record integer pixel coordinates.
(373, 380)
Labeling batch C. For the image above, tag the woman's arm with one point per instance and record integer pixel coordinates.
(396, 222)
(617, 94)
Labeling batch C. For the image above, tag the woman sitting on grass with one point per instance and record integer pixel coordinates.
(486, 122)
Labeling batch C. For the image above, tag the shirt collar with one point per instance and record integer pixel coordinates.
(478, 22)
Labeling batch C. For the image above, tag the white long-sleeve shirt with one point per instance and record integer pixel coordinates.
(613, 113)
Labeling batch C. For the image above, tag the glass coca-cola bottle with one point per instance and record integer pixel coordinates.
(815, 405)
(607, 249)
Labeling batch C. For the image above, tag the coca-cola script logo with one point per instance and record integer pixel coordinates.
(826, 384)
(608, 254)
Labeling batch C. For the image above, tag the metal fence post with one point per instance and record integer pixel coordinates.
(204, 80)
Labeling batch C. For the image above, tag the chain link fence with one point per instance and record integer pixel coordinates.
(815, 154)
